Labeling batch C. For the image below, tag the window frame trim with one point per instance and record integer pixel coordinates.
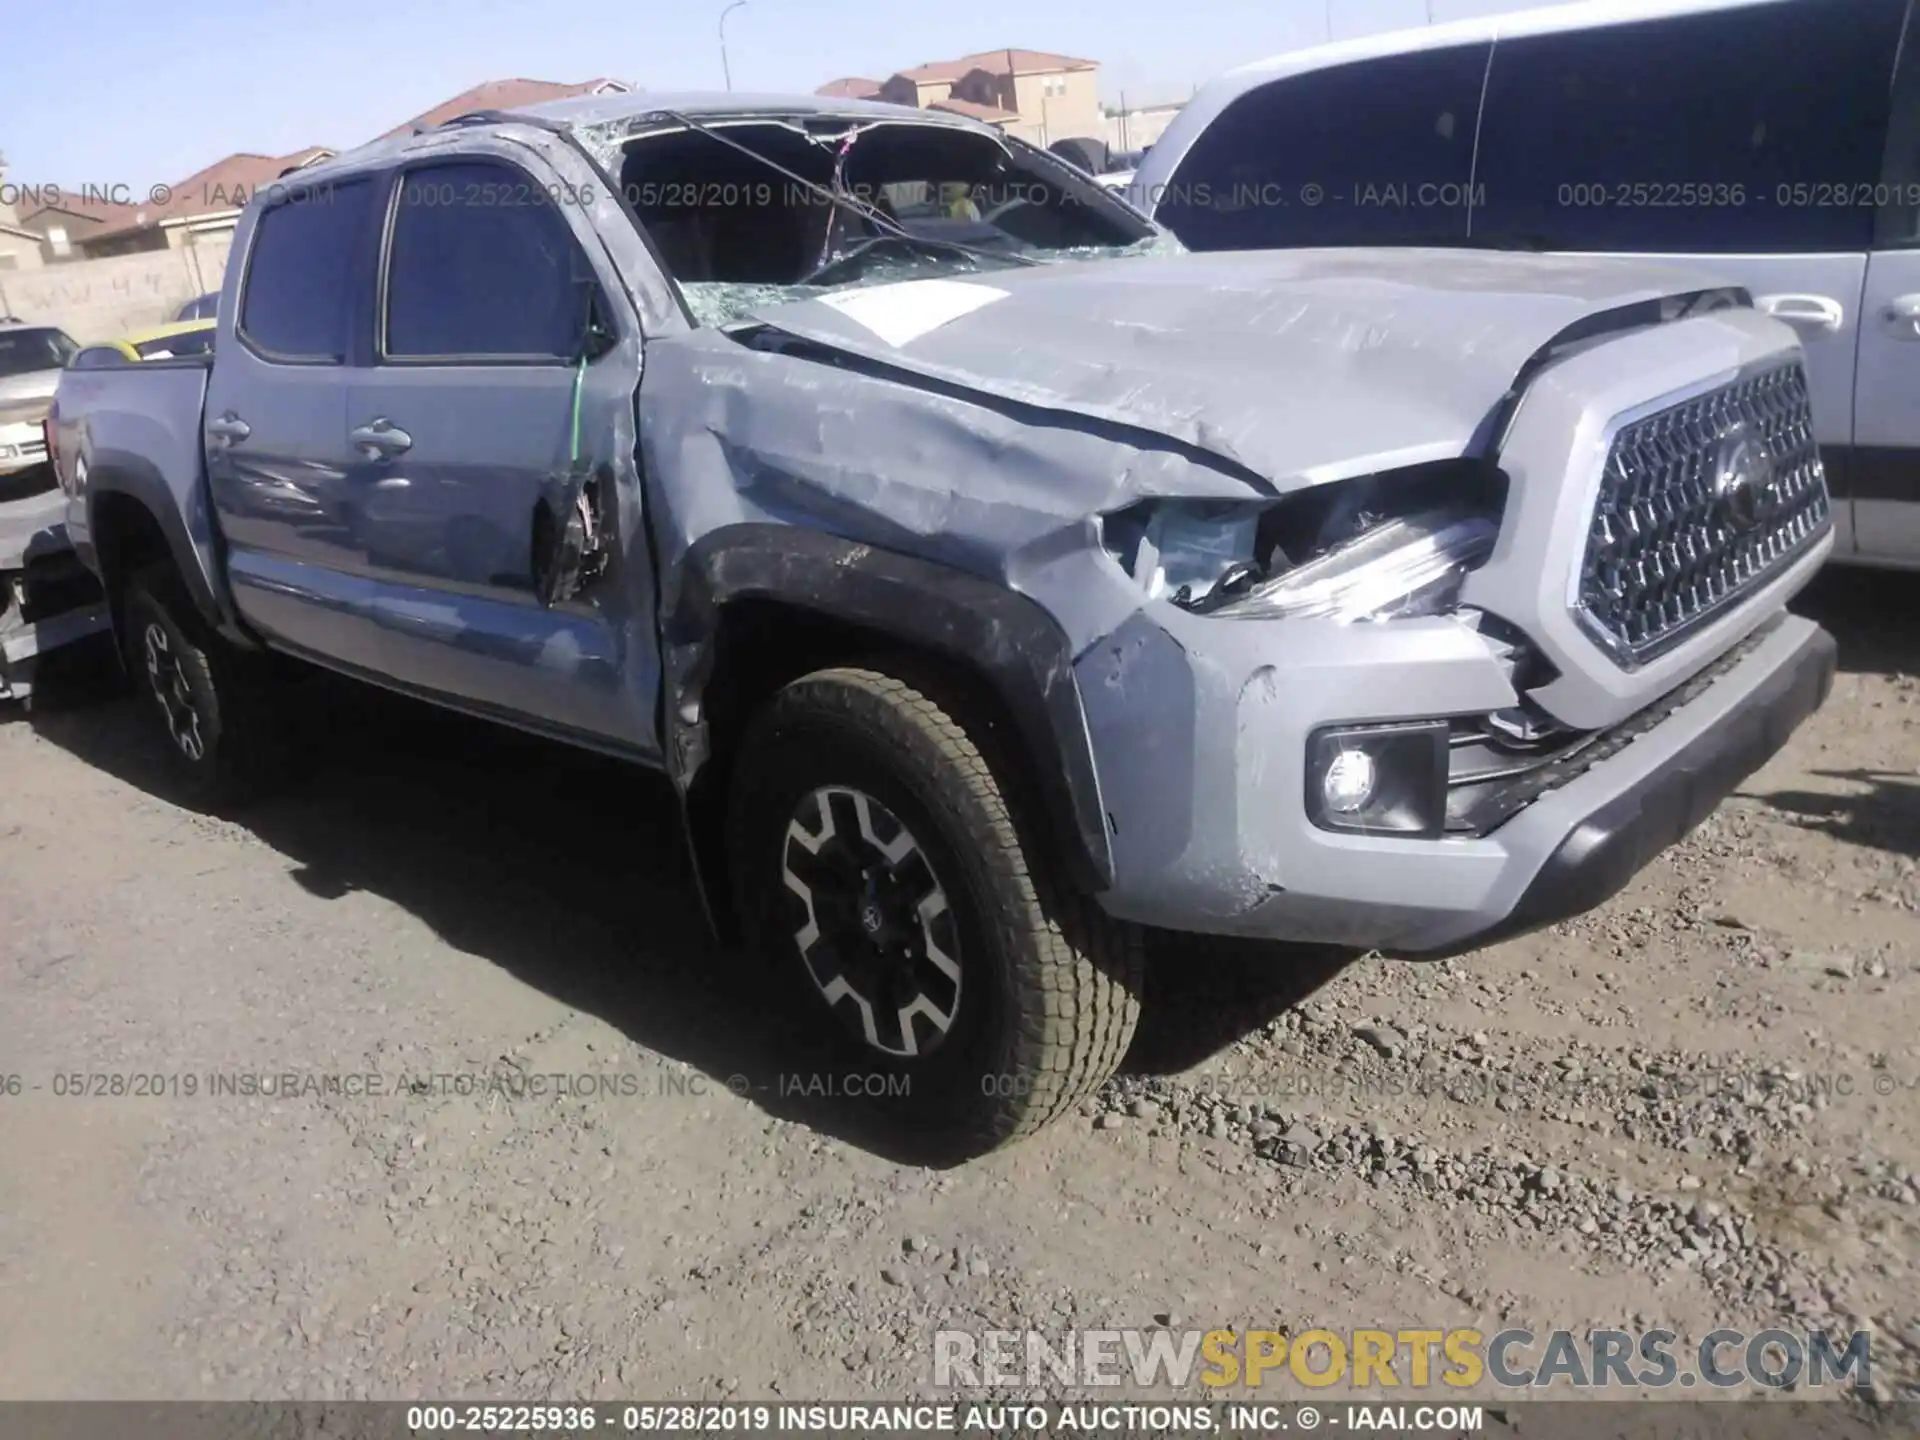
(380, 357)
(1888, 215)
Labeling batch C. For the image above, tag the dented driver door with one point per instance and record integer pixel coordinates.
(497, 387)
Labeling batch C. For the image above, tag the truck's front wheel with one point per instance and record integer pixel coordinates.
(211, 728)
(878, 863)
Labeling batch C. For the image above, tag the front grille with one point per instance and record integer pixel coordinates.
(1700, 504)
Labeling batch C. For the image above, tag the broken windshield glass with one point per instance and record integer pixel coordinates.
(752, 212)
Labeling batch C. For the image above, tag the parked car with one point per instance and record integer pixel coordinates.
(47, 599)
(163, 342)
(201, 307)
(1775, 141)
(986, 601)
(31, 358)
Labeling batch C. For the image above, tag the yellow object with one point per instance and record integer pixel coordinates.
(152, 344)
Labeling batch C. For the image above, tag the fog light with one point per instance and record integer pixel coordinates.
(1379, 779)
(1348, 783)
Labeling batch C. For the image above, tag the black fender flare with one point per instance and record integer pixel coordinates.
(1007, 640)
(137, 478)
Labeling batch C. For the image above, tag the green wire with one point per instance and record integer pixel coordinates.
(579, 375)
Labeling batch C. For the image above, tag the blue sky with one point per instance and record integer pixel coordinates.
(135, 92)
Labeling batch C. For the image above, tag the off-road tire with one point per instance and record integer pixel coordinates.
(231, 720)
(1052, 984)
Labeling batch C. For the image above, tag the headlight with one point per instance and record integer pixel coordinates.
(1376, 548)
(1404, 567)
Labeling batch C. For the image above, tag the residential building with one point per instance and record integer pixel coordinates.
(1038, 96)
(851, 87)
(207, 204)
(203, 207)
(19, 246)
(64, 220)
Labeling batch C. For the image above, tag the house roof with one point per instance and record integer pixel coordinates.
(227, 184)
(935, 71)
(850, 87)
(110, 212)
(505, 95)
(1022, 62)
(990, 114)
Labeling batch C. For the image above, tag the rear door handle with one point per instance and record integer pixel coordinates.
(380, 439)
(1903, 313)
(228, 429)
(1821, 313)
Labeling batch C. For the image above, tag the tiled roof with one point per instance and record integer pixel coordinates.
(850, 87)
(226, 184)
(1022, 62)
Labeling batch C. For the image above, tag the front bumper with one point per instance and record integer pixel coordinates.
(1607, 849)
(1237, 856)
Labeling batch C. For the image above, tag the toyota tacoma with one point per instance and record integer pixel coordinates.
(996, 582)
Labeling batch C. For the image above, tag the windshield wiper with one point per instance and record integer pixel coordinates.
(846, 202)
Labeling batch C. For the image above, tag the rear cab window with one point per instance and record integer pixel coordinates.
(298, 299)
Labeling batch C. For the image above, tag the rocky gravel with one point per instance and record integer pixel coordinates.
(585, 1154)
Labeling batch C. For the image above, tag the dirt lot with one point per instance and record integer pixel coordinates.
(1697, 1107)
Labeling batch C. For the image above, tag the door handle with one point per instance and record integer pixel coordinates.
(1903, 313)
(1805, 312)
(380, 439)
(228, 429)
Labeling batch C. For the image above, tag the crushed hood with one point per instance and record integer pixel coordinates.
(1300, 366)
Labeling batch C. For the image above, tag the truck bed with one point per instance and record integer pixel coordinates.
(141, 424)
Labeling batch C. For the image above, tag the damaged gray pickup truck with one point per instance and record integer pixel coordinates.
(994, 581)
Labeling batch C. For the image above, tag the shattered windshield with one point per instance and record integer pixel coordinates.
(754, 213)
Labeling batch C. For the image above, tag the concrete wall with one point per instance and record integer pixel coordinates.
(1139, 128)
(102, 299)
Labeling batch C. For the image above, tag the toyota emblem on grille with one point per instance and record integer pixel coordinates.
(1743, 476)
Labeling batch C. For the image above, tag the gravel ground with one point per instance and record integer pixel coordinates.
(1697, 1107)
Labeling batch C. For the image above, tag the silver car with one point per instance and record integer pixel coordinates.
(31, 359)
(1774, 142)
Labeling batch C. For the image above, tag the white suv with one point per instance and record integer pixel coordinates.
(1774, 142)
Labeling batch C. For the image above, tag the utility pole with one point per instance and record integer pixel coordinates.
(725, 68)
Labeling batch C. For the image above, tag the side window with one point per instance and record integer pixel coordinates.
(1899, 222)
(298, 300)
(481, 265)
(1743, 131)
(1375, 153)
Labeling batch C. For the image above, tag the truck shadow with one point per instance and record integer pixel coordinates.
(566, 870)
(1885, 817)
(1871, 613)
